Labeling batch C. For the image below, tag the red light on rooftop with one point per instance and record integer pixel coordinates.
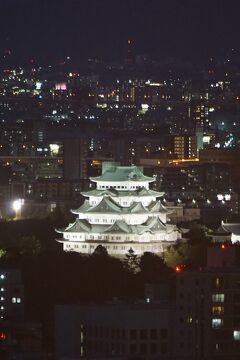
(2, 336)
(180, 268)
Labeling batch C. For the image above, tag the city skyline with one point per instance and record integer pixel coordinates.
(119, 180)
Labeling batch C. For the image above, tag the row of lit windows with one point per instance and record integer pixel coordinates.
(15, 300)
(108, 247)
(119, 187)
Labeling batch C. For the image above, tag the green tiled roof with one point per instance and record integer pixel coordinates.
(81, 226)
(123, 173)
(120, 193)
(156, 225)
(157, 206)
(108, 206)
(137, 208)
(153, 225)
(119, 227)
(83, 208)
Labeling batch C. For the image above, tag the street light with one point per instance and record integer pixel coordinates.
(17, 206)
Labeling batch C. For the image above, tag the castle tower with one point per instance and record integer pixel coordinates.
(122, 212)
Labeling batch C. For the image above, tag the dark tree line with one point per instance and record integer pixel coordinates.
(52, 276)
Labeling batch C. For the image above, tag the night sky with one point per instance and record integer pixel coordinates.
(54, 29)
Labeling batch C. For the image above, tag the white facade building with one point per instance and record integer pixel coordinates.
(121, 213)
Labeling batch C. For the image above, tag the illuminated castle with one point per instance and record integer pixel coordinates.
(122, 212)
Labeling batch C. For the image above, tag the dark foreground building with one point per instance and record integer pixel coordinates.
(193, 316)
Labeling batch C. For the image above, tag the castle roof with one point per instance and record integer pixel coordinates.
(83, 208)
(154, 225)
(81, 226)
(120, 193)
(136, 208)
(220, 231)
(233, 228)
(157, 206)
(108, 206)
(123, 173)
(120, 226)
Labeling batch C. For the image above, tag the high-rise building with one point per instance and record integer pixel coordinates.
(199, 114)
(207, 313)
(11, 295)
(185, 146)
(130, 58)
(74, 159)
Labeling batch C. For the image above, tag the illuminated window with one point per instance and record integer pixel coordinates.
(217, 282)
(218, 298)
(236, 335)
(14, 300)
(217, 323)
(218, 310)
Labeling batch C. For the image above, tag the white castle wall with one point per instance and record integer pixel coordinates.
(146, 237)
(130, 219)
(116, 249)
(124, 201)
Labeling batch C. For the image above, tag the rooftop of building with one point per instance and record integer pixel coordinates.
(123, 173)
(119, 193)
(108, 206)
(153, 225)
(233, 228)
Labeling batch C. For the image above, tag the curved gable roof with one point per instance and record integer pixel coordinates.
(106, 205)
